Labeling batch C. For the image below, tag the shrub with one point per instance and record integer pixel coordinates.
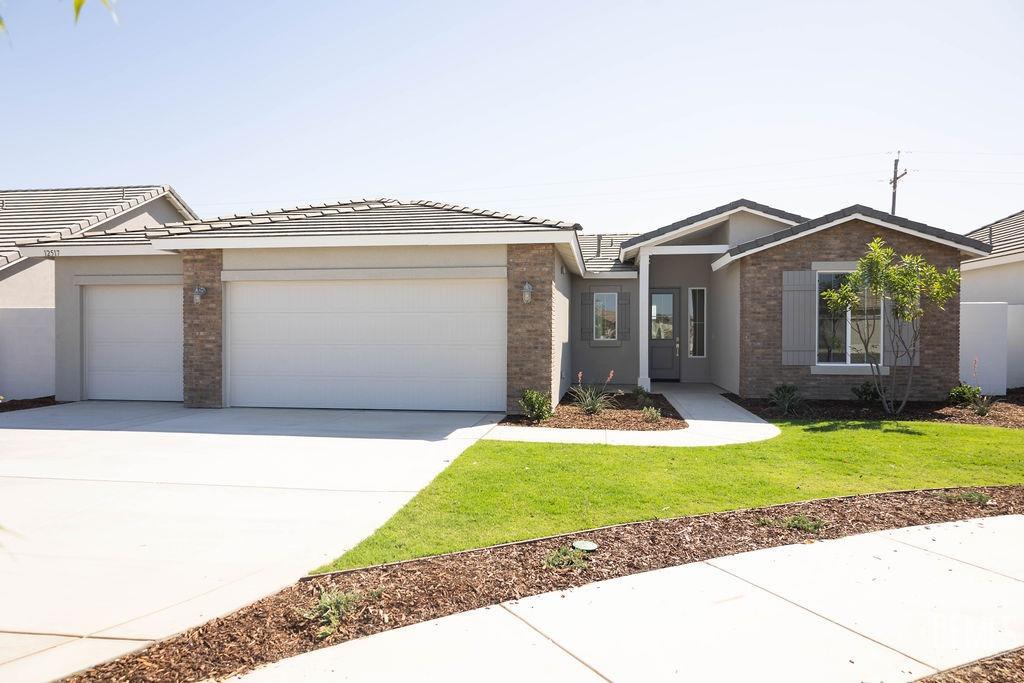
(651, 414)
(964, 394)
(536, 405)
(590, 398)
(786, 397)
(331, 608)
(866, 392)
(982, 405)
(566, 556)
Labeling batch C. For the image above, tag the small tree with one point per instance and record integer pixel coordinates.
(903, 286)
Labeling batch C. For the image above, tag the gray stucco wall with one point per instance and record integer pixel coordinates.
(724, 327)
(681, 273)
(156, 212)
(68, 319)
(597, 358)
(561, 333)
(744, 227)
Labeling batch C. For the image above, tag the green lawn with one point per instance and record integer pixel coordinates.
(505, 491)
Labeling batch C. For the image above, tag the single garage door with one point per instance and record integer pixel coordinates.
(132, 339)
(423, 344)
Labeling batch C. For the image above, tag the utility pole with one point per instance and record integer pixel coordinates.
(896, 176)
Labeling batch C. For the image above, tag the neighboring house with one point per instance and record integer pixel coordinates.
(993, 291)
(420, 305)
(26, 283)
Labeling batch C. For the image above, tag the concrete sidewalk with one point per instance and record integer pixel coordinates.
(886, 606)
(713, 421)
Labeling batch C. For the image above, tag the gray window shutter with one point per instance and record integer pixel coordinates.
(799, 317)
(587, 316)
(624, 316)
(907, 330)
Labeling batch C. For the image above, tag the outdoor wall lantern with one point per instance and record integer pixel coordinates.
(197, 294)
(527, 293)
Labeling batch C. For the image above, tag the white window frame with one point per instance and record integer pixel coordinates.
(593, 318)
(849, 327)
(689, 318)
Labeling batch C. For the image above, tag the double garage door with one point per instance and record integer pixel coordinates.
(422, 344)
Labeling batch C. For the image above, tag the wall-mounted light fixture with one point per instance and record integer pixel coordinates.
(527, 293)
(197, 294)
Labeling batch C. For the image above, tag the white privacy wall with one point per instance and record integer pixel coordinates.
(26, 330)
(983, 336)
(1015, 346)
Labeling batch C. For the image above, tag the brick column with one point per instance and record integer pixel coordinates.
(530, 326)
(203, 328)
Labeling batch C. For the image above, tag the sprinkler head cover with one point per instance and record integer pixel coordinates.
(585, 546)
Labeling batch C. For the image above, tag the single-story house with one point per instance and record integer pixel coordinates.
(992, 290)
(421, 305)
(26, 283)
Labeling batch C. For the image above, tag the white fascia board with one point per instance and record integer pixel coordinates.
(682, 232)
(61, 250)
(179, 205)
(199, 241)
(978, 264)
(689, 249)
(618, 275)
(728, 258)
(328, 274)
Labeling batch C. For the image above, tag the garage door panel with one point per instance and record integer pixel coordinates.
(415, 344)
(132, 340)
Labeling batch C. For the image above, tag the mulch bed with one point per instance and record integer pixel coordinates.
(401, 594)
(626, 414)
(1005, 668)
(1007, 411)
(26, 403)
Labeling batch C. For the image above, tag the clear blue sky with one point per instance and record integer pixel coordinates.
(619, 115)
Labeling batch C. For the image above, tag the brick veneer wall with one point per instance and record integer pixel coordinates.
(761, 367)
(529, 361)
(203, 328)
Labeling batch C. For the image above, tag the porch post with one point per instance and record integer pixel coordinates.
(644, 326)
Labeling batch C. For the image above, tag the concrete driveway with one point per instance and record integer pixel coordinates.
(127, 522)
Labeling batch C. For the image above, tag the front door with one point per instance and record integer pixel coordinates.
(664, 349)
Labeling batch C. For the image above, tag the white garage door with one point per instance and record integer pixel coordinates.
(432, 344)
(132, 337)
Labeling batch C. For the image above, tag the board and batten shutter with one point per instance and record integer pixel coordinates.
(799, 317)
(624, 316)
(906, 330)
(587, 316)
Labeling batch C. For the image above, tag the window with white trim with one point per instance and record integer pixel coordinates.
(697, 333)
(850, 338)
(606, 316)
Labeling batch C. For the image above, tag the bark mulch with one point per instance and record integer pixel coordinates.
(626, 414)
(1007, 411)
(26, 403)
(391, 596)
(1005, 668)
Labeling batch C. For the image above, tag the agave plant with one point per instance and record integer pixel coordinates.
(590, 398)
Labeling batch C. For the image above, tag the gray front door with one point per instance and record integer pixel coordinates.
(664, 350)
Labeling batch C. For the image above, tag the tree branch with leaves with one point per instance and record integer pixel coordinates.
(903, 286)
(77, 6)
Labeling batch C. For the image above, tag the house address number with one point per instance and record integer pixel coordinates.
(51, 252)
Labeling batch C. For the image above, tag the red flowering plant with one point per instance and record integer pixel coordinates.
(591, 398)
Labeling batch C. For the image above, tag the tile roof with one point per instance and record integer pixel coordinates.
(1007, 235)
(905, 223)
(601, 252)
(30, 216)
(711, 213)
(355, 217)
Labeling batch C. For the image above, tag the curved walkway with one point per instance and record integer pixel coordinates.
(892, 605)
(713, 421)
